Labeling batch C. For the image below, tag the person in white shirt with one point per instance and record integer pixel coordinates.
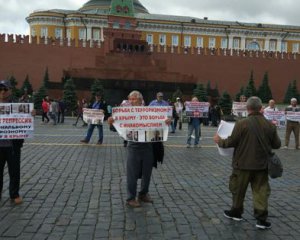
(271, 106)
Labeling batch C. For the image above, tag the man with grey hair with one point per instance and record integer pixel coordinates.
(292, 125)
(249, 163)
(139, 163)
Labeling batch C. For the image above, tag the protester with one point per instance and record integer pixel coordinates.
(193, 126)
(249, 163)
(10, 152)
(139, 162)
(98, 104)
(179, 107)
(291, 125)
(271, 106)
(159, 101)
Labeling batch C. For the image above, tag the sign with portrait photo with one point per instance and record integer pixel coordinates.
(141, 124)
(16, 121)
(93, 116)
(196, 109)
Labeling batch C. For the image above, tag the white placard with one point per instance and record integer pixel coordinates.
(239, 109)
(16, 121)
(196, 109)
(224, 131)
(276, 117)
(93, 116)
(141, 124)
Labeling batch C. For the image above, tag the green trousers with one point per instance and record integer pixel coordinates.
(259, 181)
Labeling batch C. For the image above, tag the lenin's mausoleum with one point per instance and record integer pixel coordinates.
(125, 46)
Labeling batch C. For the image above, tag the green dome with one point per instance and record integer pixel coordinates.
(104, 5)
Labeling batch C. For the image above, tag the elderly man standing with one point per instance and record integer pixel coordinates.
(139, 163)
(291, 125)
(159, 101)
(271, 106)
(249, 163)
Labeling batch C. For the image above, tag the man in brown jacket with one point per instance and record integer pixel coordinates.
(249, 163)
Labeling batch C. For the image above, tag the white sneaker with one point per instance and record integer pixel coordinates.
(285, 147)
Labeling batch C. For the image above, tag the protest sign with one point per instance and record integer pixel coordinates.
(293, 116)
(141, 124)
(224, 131)
(276, 117)
(196, 109)
(93, 116)
(16, 121)
(239, 109)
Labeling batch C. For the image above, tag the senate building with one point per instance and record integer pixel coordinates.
(126, 47)
(89, 22)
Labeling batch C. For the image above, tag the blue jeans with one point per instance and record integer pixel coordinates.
(90, 132)
(194, 125)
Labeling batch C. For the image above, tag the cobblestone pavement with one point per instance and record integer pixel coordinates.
(75, 191)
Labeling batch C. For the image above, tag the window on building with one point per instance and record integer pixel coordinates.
(96, 33)
(162, 39)
(150, 39)
(283, 46)
(272, 45)
(116, 24)
(82, 33)
(58, 33)
(127, 25)
(175, 39)
(224, 42)
(199, 42)
(253, 46)
(33, 32)
(187, 41)
(212, 42)
(295, 47)
(69, 33)
(236, 43)
(44, 32)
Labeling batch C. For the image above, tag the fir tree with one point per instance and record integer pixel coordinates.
(15, 92)
(264, 91)
(226, 103)
(39, 96)
(208, 88)
(288, 94)
(69, 96)
(250, 89)
(176, 94)
(27, 86)
(294, 90)
(200, 93)
(241, 92)
(97, 87)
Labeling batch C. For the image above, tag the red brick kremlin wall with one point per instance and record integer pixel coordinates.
(229, 70)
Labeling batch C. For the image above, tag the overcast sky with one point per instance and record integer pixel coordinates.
(286, 12)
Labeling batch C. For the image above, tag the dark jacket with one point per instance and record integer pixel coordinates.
(248, 152)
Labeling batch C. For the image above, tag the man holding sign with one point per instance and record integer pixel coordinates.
(94, 116)
(292, 123)
(133, 123)
(11, 140)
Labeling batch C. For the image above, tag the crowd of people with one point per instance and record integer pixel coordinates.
(53, 109)
(249, 161)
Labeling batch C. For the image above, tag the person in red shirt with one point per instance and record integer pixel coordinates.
(45, 108)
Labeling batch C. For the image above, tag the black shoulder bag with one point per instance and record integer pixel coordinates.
(275, 167)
